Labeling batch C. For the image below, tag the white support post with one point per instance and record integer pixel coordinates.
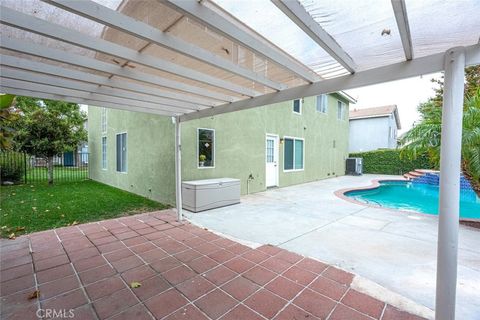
(178, 168)
(450, 160)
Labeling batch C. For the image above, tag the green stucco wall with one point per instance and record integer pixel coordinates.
(239, 147)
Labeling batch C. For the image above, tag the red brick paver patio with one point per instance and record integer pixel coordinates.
(185, 272)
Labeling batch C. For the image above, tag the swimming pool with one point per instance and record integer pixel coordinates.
(419, 197)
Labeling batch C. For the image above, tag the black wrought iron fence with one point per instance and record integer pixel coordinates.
(19, 167)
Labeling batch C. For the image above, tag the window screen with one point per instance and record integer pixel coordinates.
(341, 108)
(206, 148)
(270, 151)
(122, 152)
(293, 154)
(104, 153)
(104, 120)
(322, 103)
(297, 106)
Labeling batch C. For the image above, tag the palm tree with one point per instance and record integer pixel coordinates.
(425, 137)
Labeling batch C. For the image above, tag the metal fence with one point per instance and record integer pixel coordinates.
(19, 167)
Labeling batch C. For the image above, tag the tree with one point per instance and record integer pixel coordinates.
(7, 117)
(426, 135)
(47, 128)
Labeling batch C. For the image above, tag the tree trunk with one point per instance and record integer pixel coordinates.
(475, 184)
(50, 170)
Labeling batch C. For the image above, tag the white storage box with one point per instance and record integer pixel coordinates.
(200, 195)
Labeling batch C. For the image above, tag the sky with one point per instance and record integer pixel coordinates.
(407, 94)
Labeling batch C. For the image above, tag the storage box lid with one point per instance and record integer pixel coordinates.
(211, 181)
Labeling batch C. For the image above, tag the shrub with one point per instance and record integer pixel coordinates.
(12, 166)
(389, 162)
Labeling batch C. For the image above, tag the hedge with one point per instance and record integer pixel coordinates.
(12, 166)
(389, 162)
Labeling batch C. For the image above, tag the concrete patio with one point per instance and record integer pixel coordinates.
(185, 272)
(394, 249)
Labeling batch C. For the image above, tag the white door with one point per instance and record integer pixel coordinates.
(271, 161)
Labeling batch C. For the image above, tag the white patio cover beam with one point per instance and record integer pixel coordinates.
(26, 85)
(97, 65)
(450, 166)
(44, 68)
(194, 9)
(92, 88)
(297, 13)
(42, 27)
(119, 21)
(90, 102)
(397, 71)
(400, 10)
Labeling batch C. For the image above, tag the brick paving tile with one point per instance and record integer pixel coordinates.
(138, 312)
(363, 303)
(266, 303)
(240, 288)
(329, 288)
(220, 275)
(151, 287)
(242, 312)
(104, 287)
(185, 272)
(216, 303)
(54, 288)
(114, 303)
(314, 303)
(285, 288)
(189, 312)
(338, 275)
(195, 287)
(342, 312)
(259, 275)
(292, 312)
(165, 303)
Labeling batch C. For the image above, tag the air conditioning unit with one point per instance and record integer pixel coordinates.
(354, 166)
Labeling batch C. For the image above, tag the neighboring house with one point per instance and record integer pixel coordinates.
(276, 145)
(373, 128)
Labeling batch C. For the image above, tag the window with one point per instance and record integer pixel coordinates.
(122, 152)
(341, 109)
(104, 153)
(297, 106)
(104, 120)
(293, 154)
(322, 105)
(206, 148)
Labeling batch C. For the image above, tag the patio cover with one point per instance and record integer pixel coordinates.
(192, 59)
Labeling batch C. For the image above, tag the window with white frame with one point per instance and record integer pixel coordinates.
(297, 106)
(293, 154)
(341, 110)
(104, 120)
(104, 153)
(122, 152)
(206, 148)
(322, 105)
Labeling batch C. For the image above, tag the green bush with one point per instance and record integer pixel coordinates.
(12, 166)
(389, 162)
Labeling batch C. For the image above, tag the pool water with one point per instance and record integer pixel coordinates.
(418, 197)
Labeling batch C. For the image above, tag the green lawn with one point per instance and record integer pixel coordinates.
(34, 207)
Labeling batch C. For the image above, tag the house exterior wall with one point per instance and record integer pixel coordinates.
(239, 147)
(372, 133)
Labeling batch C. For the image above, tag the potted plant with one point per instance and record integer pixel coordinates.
(202, 159)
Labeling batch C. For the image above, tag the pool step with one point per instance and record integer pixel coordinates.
(417, 173)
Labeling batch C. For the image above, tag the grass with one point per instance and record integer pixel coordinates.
(35, 207)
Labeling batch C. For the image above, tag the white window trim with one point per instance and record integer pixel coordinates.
(326, 104)
(300, 105)
(344, 111)
(102, 117)
(303, 158)
(106, 148)
(214, 148)
(116, 153)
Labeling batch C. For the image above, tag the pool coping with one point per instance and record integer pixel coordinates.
(375, 183)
